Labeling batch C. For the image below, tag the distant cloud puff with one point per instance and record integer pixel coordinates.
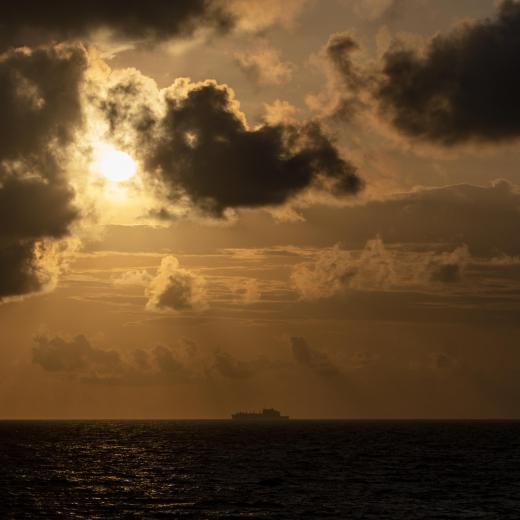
(312, 359)
(264, 66)
(175, 288)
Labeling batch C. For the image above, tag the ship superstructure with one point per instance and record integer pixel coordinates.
(269, 414)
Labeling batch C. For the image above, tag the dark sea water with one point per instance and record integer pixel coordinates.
(295, 469)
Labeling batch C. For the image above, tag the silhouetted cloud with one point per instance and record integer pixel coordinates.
(31, 22)
(202, 148)
(41, 111)
(74, 356)
(310, 358)
(349, 79)
(175, 288)
(464, 86)
(228, 366)
(78, 358)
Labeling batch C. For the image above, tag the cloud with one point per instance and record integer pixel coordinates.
(74, 356)
(32, 22)
(349, 79)
(259, 15)
(335, 270)
(462, 87)
(202, 149)
(280, 111)
(486, 218)
(264, 66)
(133, 278)
(40, 101)
(231, 368)
(79, 359)
(373, 9)
(175, 288)
(312, 359)
(246, 290)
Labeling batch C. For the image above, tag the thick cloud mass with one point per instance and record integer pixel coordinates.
(225, 164)
(41, 110)
(465, 87)
(202, 147)
(31, 22)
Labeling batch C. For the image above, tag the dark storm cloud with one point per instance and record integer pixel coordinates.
(227, 165)
(41, 110)
(40, 101)
(31, 22)
(464, 87)
(22, 200)
(202, 148)
(18, 269)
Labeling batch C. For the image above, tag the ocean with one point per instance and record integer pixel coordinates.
(294, 469)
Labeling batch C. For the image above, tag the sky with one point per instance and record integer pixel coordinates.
(218, 205)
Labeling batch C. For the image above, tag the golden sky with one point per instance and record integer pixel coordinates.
(208, 206)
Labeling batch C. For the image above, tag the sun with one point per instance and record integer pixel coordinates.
(115, 165)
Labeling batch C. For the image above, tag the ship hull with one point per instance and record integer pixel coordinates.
(260, 419)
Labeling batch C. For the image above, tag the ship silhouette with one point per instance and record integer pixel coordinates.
(267, 414)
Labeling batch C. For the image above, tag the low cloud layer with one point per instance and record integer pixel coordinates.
(376, 268)
(312, 359)
(79, 359)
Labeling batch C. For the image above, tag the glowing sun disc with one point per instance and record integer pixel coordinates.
(115, 165)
